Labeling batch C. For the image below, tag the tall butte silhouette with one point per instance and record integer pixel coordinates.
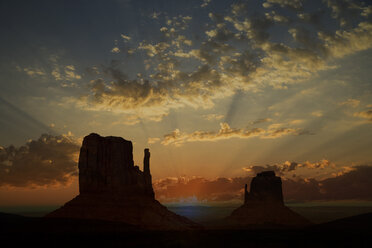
(112, 188)
(264, 205)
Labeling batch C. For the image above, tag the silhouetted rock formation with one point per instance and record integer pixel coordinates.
(113, 189)
(106, 166)
(264, 206)
(265, 187)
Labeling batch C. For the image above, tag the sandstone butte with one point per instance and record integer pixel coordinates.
(264, 206)
(112, 188)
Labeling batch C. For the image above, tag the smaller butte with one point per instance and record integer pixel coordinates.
(264, 207)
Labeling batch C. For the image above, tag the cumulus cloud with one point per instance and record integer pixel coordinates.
(236, 52)
(178, 138)
(353, 184)
(47, 161)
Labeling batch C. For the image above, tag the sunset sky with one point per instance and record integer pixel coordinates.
(218, 90)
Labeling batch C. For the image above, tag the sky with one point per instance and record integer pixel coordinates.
(218, 90)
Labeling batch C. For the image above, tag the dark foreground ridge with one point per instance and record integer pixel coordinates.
(19, 231)
(112, 188)
(264, 207)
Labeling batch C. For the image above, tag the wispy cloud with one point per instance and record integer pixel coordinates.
(288, 166)
(178, 138)
(259, 121)
(211, 117)
(350, 102)
(317, 113)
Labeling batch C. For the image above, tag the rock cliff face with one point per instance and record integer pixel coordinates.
(263, 206)
(106, 166)
(112, 188)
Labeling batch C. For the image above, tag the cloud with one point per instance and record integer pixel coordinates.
(364, 114)
(65, 73)
(153, 140)
(350, 185)
(205, 3)
(292, 4)
(296, 122)
(236, 52)
(115, 50)
(287, 166)
(155, 15)
(345, 42)
(220, 189)
(178, 138)
(70, 73)
(211, 117)
(32, 72)
(318, 113)
(354, 184)
(259, 121)
(346, 11)
(277, 133)
(126, 38)
(149, 99)
(350, 102)
(51, 69)
(367, 11)
(47, 161)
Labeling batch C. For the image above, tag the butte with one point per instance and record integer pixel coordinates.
(264, 206)
(112, 188)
